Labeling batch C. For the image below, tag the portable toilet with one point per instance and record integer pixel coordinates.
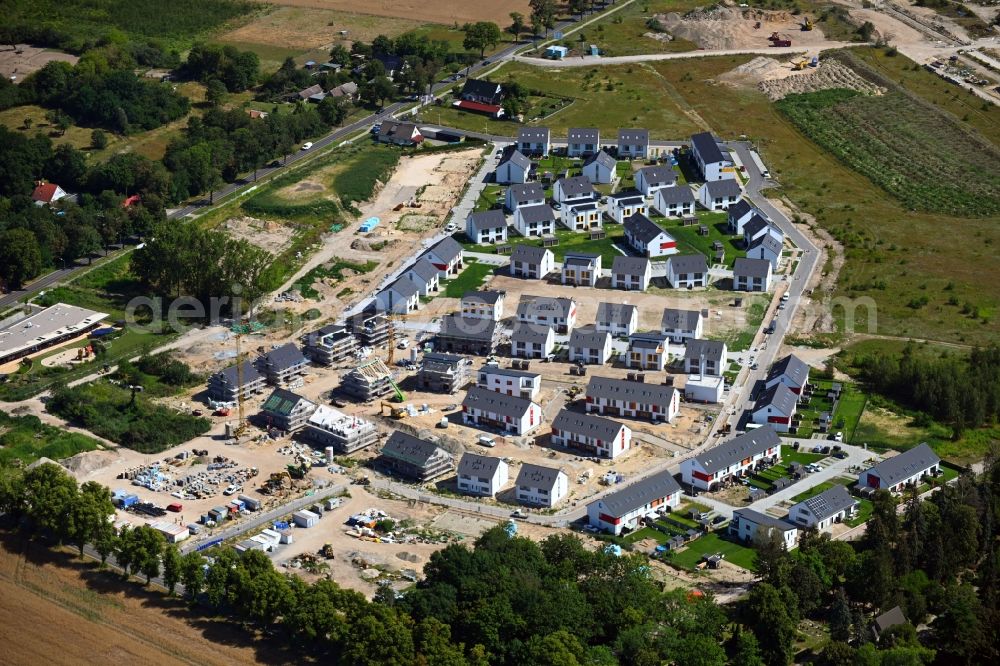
(594, 51)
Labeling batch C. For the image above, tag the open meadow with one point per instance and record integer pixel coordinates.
(447, 12)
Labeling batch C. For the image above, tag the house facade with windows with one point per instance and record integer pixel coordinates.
(425, 276)
(635, 399)
(283, 365)
(626, 508)
(514, 167)
(286, 411)
(647, 238)
(739, 214)
(508, 413)
(583, 215)
(589, 345)
(631, 273)
(531, 262)
(752, 275)
(833, 505)
(483, 476)
(649, 350)
(618, 319)
(766, 248)
(633, 143)
(330, 344)
(414, 458)
(581, 269)
(534, 141)
(518, 383)
(488, 226)
(541, 486)
(593, 435)
(483, 304)
(623, 205)
(600, 168)
(583, 141)
(446, 255)
(650, 180)
(557, 312)
(735, 459)
(685, 271)
(776, 407)
(528, 194)
(791, 371)
(681, 325)
(459, 334)
(747, 523)
(535, 221)
(706, 358)
(708, 157)
(675, 201)
(720, 194)
(532, 341)
(902, 470)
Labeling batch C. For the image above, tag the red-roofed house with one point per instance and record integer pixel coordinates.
(128, 202)
(47, 193)
(492, 110)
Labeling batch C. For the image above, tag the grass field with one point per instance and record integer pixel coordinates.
(445, 12)
(710, 544)
(470, 279)
(27, 439)
(689, 241)
(569, 241)
(624, 32)
(844, 419)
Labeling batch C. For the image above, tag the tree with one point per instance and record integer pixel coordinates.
(49, 494)
(26, 123)
(517, 25)
(745, 649)
(340, 55)
(172, 567)
(20, 257)
(578, 7)
(377, 90)
(125, 549)
(332, 110)
(215, 92)
(432, 639)
(82, 241)
(771, 560)
(839, 617)
(149, 544)
(837, 653)
(192, 573)
(105, 540)
(959, 632)
(766, 613)
(91, 510)
(98, 139)
(481, 36)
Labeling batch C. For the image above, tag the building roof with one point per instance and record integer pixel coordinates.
(603, 159)
(739, 209)
(284, 357)
(515, 156)
(630, 265)
(488, 219)
(575, 186)
(676, 194)
(396, 130)
(727, 187)
(780, 397)
(441, 359)
(447, 249)
(403, 287)
(754, 225)
(508, 372)
(575, 206)
(530, 333)
(284, 402)
(332, 420)
(345, 89)
(658, 174)
(306, 93)
(588, 425)
(584, 259)
(589, 337)
(763, 519)
(639, 494)
(231, 376)
(536, 476)
(759, 268)
(685, 320)
(687, 263)
(741, 447)
(712, 350)
(646, 340)
(487, 297)
(410, 449)
(583, 135)
(633, 135)
(51, 323)
(473, 464)
(908, 463)
(768, 242)
(889, 619)
(533, 134)
(534, 215)
(530, 254)
(526, 192)
(707, 147)
(616, 313)
(643, 229)
(467, 328)
(830, 502)
(482, 88)
(530, 305)
(626, 197)
(792, 367)
(622, 389)
(424, 269)
(497, 403)
(45, 192)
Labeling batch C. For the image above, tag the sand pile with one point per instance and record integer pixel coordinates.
(733, 28)
(830, 74)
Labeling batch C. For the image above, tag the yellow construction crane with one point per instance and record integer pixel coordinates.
(239, 330)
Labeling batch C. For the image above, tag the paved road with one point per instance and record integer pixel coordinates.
(591, 61)
(38, 285)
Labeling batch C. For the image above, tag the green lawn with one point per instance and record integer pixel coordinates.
(739, 339)
(470, 279)
(689, 241)
(790, 455)
(491, 195)
(569, 241)
(27, 439)
(625, 32)
(709, 544)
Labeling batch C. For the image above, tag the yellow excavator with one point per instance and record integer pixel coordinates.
(799, 65)
(394, 411)
(807, 24)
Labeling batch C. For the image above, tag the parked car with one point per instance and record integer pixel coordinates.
(232, 490)
(307, 145)
(825, 451)
(718, 520)
(839, 437)
(517, 513)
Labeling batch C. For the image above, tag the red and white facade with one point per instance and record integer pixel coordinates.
(736, 458)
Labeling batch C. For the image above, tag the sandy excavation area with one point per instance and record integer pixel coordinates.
(777, 79)
(19, 60)
(734, 28)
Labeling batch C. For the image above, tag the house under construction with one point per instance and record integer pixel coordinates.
(369, 381)
(443, 373)
(370, 328)
(330, 344)
(346, 434)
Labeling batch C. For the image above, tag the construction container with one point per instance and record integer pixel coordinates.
(176, 507)
(239, 504)
(218, 514)
(286, 536)
(250, 503)
(305, 518)
(171, 531)
(129, 500)
(271, 535)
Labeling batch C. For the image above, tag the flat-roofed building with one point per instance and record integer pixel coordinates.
(52, 326)
(346, 434)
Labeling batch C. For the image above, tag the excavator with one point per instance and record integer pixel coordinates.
(799, 65)
(807, 24)
(394, 411)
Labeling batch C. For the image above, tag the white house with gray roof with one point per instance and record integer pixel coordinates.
(647, 237)
(631, 273)
(534, 140)
(756, 226)
(401, 297)
(752, 274)
(625, 204)
(791, 371)
(775, 407)
(589, 345)
(687, 270)
(833, 505)
(739, 214)
(720, 194)
(227, 384)
(651, 179)
(557, 312)
(675, 201)
(740, 456)
(425, 276)
(513, 168)
(535, 221)
(483, 476)
(541, 486)
(573, 188)
(529, 194)
(531, 262)
(600, 168)
(489, 409)
(483, 304)
(633, 144)
(283, 364)
(581, 269)
(520, 383)
(446, 255)
(625, 508)
(488, 226)
(532, 341)
(582, 215)
(593, 435)
(747, 523)
(705, 358)
(619, 319)
(766, 248)
(635, 399)
(582, 141)
(681, 325)
(709, 159)
(905, 469)
(648, 350)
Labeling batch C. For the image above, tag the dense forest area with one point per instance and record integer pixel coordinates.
(511, 600)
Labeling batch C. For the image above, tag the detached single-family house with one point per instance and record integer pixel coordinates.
(483, 304)
(573, 188)
(542, 486)
(535, 221)
(557, 312)
(582, 215)
(650, 180)
(791, 371)
(414, 458)
(739, 214)
(675, 201)
(286, 411)
(514, 168)
(633, 144)
(488, 226)
(776, 407)
(681, 325)
(348, 89)
(631, 273)
(446, 255)
(636, 399)
(833, 505)
(485, 408)
(720, 194)
(623, 205)
(313, 93)
(687, 270)
(330, 344)
(705, 357)
(482, 91)
(893, 617)
(534, 141)
(532, 341)
(583, 141)
(589, 345)
(398, 133)
(528, 194)
(626, 508)
(46, 194)
(747, 523)
(227, 384)
(766, 248)
(581, 269)
(507, 380)
(481, 475)
(600, 168)
(467, 335)
(401, 297)
(752, 274)
(647, 351)
(756, 226)
(594, 435)
(528, 261)
(283, 364)
(648, 238)
(902, 470)
(737, 458)
(618, 319)
(425, 276)
(709, 159)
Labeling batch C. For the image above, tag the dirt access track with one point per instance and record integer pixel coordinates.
(22, 60)
(446, 12)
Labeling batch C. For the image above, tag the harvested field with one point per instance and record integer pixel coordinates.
(23, 59)
(733, 28)
(446, 12)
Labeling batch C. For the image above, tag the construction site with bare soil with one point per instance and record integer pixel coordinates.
(724, 28)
